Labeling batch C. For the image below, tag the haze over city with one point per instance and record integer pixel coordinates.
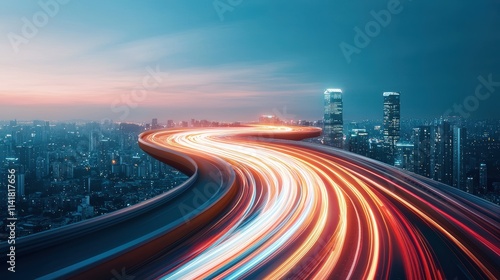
(211, 60)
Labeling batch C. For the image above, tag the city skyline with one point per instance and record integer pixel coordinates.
(78, 65)
(66, 173)
(257, 139)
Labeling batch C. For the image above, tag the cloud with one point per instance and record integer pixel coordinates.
(95, 70)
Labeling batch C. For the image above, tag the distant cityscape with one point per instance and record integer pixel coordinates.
(459, 152)
(69, 172)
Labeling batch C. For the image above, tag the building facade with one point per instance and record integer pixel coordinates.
(422, 150)
(442, 152)
(459, 143)
(333, 134)
(392, 124)
(359, 142)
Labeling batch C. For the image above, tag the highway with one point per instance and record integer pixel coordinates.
(93, 249)
(313, 212)
(262, 207)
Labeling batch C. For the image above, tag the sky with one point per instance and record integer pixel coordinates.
(233, 60)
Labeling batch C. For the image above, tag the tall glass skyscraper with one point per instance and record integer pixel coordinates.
(392, 125)
(334, 118)
(483, 179)
(459, 139)
(422, 150)
(442, 152)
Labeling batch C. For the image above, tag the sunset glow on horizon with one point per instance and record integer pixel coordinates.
(254, 58)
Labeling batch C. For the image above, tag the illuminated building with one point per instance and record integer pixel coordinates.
(459, 142)
(422, 151)
(333, 118)
(404, 159)
(442, 152)
(359, 142)
(392, 123)
(483, 178)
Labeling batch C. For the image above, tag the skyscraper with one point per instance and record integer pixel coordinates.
(334, 118)
(392, 126)
(20, 180)
(422, 150)
(404, 159)
(154, 124)
(27, 158)
(170, 123)
(459, 138)
(483, 179)
(359, 142)
(442, 152)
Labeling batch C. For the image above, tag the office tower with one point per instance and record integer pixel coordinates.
(377, 151)
(20, 184)
(359, 142)
(170, 123)
(404, 156)
(442, 152)
(392, 126)
(334, 118)
(20, 180)
(92, 141)
(154, 124)
(459, 142)
(105, 152)
(42, 168)
(422, 151)
(86, 183)
(27, 157)
(483, 179)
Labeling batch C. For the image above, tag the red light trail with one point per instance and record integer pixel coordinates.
(310, 212)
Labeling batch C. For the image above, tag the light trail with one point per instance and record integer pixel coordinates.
(309, 212)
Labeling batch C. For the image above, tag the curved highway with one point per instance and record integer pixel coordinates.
(311, 212)
(100, 247)
(261, 208)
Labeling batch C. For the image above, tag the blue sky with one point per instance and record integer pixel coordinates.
(88, 58)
